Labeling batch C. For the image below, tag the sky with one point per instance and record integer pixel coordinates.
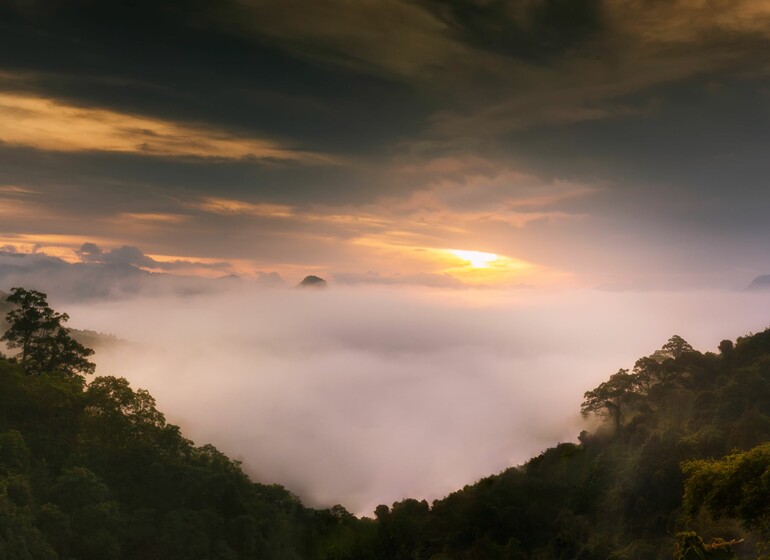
(605, 143)
(493, 190)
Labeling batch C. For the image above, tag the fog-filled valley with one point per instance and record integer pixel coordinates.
(367, 395)
(449, 426)
(384, 280)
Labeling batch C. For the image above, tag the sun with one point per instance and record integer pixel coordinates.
(482, 268)
(477, 259)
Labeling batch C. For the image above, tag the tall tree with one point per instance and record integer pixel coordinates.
(39, 333)
(675, 347)
(611, 397)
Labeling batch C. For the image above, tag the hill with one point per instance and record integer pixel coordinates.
(312, 282)
(618, 493)
(93, 470)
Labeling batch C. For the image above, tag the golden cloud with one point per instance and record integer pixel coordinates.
(232, 206)
(49, 124)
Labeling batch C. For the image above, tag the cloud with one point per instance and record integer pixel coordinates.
(53, 125)
(68, 281)
(133, 256)
(472, 188)
(503, 65)
(374, 278)
(229, 206)
(120, 273)
(389, 36)
(125, 255)
(153, 218)
(550, 135)
(533, 30)
(508, 66)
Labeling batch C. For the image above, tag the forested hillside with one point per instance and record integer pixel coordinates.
(618, 493)
(93, 471)
(89, 469)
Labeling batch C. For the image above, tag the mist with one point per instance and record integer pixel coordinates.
(363, 395)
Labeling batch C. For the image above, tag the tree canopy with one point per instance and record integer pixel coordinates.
(611, 397)
(95, 472)
(44, 343)
(736, 486)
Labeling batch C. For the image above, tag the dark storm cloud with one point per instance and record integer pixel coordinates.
(173, 60)
(532, 29)
(350, 77)
(134, 179)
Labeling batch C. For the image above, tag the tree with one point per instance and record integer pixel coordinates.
(690, 546)
(39, 333)
(736, 486)
(648, 372)
(611, 397)
(675, 347)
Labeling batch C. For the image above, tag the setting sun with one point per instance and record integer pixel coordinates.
(477, 259)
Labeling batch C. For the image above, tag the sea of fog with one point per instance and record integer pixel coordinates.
(367, 395)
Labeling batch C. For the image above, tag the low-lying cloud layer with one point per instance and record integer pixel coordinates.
(363, 395)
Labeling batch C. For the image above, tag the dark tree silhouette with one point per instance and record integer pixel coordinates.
(611, 397)
(674, 348)
(39, 333)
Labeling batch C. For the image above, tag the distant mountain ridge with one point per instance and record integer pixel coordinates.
(761, 282)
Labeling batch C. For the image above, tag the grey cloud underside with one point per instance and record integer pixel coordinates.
(143, 183)
(698, 162)
(128, 256)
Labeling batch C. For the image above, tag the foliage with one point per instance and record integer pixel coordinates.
(736, 486)
(38, 332)
(690, 546)
(611, 397)
(95, 471)
(617, 494)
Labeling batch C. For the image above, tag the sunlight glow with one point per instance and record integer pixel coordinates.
(475, 268)
(477, 259)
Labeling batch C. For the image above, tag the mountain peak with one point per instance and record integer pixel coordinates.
(312, 281)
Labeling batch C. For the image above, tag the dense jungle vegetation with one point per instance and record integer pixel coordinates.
(89, 469)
